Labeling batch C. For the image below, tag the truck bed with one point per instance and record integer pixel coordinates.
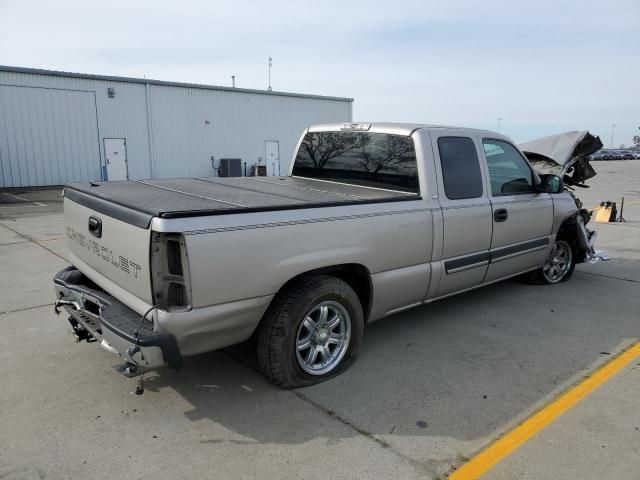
(137, 202)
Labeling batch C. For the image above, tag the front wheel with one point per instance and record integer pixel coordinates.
(311, 332)
(558, 266)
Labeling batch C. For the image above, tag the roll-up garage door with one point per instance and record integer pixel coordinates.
(47, 136)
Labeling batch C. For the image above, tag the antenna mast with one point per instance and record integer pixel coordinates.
(270, 63)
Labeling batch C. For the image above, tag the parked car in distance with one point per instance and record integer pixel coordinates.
(372, 219)
(613, 155)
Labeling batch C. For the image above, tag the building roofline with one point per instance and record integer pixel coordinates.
(111, 78)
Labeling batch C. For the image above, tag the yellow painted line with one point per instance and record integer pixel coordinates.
(500, 449)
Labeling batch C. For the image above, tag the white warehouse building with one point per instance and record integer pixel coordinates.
(59, 127)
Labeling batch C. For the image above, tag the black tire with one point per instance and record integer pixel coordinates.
(277, 333)
(538, 276)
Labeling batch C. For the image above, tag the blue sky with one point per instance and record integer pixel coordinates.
(543, 66)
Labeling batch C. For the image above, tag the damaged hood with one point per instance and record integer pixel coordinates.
(563, 155)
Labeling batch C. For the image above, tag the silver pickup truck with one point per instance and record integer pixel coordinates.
(372, 219)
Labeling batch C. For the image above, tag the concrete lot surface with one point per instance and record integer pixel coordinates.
(432, 387)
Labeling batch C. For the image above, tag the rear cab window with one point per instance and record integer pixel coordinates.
(509, 172)
(460, 168)
(359, 158)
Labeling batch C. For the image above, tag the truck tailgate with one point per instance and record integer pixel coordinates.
(116, 249)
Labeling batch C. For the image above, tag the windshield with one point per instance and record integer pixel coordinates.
(360, 158)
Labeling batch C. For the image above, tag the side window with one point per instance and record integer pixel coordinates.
(460, 168)
(508, 171)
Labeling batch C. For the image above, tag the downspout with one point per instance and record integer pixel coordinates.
(149, 128)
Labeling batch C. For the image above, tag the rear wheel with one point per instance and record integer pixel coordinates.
(558, 266)
(311, 332)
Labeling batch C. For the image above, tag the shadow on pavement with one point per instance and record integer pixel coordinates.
(459, 368)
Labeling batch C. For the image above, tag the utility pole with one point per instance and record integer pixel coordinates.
(499, 120)
(270, 63)
(613, 127)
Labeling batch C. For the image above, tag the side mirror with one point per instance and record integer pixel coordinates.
(550, 184)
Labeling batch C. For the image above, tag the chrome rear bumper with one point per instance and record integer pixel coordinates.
(96, 316)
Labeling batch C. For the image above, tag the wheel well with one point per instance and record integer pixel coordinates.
(568, 231)
(355, 275)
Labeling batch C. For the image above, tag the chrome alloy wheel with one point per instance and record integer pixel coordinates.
(323, 338)
(558, 263)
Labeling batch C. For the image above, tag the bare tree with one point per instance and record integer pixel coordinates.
(393, 151)
(365, 155)
(372, 152)
(325, 146)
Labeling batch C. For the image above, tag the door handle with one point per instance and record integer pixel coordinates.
(95, 226)
(500, 215)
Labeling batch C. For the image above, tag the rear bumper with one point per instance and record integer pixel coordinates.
(96, 315)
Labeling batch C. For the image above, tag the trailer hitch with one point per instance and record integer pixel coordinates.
(60, 302)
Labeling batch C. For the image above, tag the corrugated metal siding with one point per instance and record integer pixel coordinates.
(176, 129)
(47, 136)
(238, 125)
(121, 117)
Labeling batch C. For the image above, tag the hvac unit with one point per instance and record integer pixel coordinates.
(230, 167)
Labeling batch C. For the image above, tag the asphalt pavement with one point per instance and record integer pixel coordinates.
(433, 386)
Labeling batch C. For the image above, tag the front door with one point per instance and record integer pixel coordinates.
(272, 157)
(115, 153)
(522, 217)
(466, 211)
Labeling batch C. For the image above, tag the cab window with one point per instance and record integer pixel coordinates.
(460, 168)
(508, 171)
(359, 158)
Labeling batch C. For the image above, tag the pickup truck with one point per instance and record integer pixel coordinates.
(372, 219)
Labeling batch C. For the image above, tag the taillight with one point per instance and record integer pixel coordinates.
(170, 271)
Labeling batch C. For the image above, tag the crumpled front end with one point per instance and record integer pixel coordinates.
(586, 237)
(566, 155)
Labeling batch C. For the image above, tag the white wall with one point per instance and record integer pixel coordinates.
(47, 136)
(238, 125)
(184, 128)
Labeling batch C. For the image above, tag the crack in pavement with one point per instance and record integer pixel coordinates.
(609, 276)
(51, 251)
(419, 466)
(422, 468)
(26, 308)
(15, 243)
(33, 240)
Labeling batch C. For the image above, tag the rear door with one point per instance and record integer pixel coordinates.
(466, 211)
(522, 217)
(115, 151)
(272, 157)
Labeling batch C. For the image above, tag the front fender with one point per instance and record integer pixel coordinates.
(564, 208)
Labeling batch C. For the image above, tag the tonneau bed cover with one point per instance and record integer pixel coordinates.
(137, 202)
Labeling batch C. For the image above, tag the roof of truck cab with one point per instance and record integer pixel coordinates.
(392, 128)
